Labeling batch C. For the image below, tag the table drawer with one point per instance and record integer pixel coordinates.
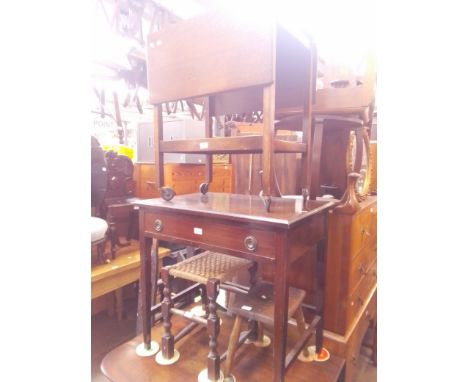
(357, 298)
(360, 266)
(224, 236)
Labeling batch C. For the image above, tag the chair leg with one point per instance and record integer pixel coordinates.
(232, 346)
(212, 291)
(301, 326)
(167, 341)
(253, 274)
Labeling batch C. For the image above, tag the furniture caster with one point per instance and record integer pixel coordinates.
(204, 188)
(167, 193)
(143, 352)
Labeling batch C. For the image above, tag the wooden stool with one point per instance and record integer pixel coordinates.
(209, 269)
(258, 307)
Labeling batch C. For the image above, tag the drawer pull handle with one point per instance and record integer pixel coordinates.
(158, 225)
(361, 301)
(250, 243)
(354, 360)
(364, 232)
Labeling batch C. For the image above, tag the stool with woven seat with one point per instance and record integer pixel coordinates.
(210, 270)
(257, 307)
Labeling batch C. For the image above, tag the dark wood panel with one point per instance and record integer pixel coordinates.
(284, 213)
(216, 50)
(199, 230)
(229, 145)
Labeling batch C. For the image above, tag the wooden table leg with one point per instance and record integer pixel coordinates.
(281, 296)
(320, 291)
(145, 288)
(119, 303)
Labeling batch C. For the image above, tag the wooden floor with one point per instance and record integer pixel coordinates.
(108, 333)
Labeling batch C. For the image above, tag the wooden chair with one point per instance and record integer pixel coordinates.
(343, 106)
(240, 65)
(257, 307)
(210, 270)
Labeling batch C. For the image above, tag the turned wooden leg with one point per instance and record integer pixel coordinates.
(212, 290)
(232, 346)
(167, 340)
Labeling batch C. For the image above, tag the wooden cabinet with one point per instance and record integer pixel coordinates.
(351, 264)
(351, 281)
(182, 178)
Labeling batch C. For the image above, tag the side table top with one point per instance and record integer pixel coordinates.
(284, 212)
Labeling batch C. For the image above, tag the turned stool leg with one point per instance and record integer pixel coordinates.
(232, 346)
(167, 338)
(212, 289)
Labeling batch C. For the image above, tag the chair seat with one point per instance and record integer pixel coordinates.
(259, 303)
(98, 229)
(208, 265)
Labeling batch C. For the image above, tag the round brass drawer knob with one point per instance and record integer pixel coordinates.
(250, 243)
(158, 225)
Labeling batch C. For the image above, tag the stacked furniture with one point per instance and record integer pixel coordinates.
(282, 72)
(277, 233)
(239, 225)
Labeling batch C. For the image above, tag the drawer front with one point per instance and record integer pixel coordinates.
(224, 236)
(357, 298)
(363, 230)
(360, 266)
(355, 341)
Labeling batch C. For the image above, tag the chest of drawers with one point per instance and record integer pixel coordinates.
(182, 178)
(351, 280)
(351, 264)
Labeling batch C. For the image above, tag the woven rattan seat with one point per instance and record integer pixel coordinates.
(208, 265)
